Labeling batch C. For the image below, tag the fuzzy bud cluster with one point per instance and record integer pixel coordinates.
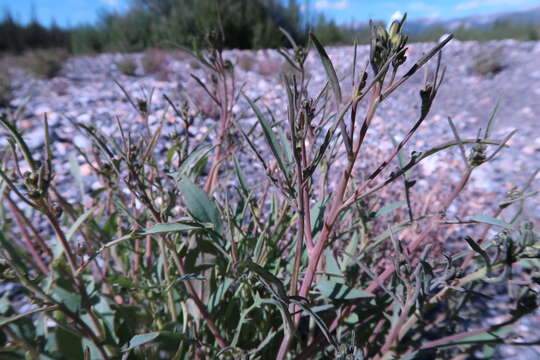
(387, 43)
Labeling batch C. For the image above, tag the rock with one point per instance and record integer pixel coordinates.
(35, 138)
(82, 141)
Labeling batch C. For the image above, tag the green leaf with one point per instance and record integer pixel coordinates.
(289, 37)
(270, 137)
(319, 321)
(183, 278)
(141, 339)
(107, 315)
(95, 354)
(388, 208)
(317, 216)
(243, 315)
(477, 248)
(332, 268)
(172, 227)
(328, 67)
(285, 145)
(240, 175)
(70, 299)
(80, 220)
(199, 204)
(76, 172)
(167, 340)
(492, 118)
(69, 345)
(269, 280)
(203, 85)
(217, 296)
(350, 251)
(495, 335)
(507, 202)
(16, 255)
(337, 291)
(394, 230)
(171, 152)
(122, 281)
(14, 132)
(410, 356)
(190, 162)
(4, 303)
(489, 220)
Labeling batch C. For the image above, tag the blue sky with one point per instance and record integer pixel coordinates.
(65, 12)
(72, 12)
(347, 10)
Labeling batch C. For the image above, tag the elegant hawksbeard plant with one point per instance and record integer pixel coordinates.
(260, 241)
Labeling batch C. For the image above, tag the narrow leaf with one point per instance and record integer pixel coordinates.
(76, 172)
(269, 280)
(456, 135)
(80, 220)
(492, 119)
(14, 318)
(141, 339)
(319, 321)
(289, 37)
(480, 251)
(240, 175)
(332, 268)
(328, 67)
(489, 220)
(388, 209)
(172, 227)
(270, 137)
(337, 291)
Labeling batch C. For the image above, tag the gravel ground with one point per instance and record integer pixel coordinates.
(85, 91)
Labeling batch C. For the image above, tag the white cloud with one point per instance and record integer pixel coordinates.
(111, 3)
(423, 9)
(475, 4)
(331, 5)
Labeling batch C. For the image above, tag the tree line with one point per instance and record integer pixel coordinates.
(246, 24)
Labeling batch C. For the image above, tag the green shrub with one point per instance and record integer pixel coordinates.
(194, 64)
(6, 91)
(155, 61)
(206, 250)
(246, 62)
(127, 66)
(269, 66)
(45, 64)
(488, 62)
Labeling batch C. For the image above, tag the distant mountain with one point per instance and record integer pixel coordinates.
(417, 26)
(524, 17)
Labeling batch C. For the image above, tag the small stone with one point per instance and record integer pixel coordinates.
(35, 138)
(86, 169)
(530, 149)
(82, 141)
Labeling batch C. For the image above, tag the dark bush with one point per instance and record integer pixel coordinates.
(127, 66)
(246, 62)
(155, 62)
(44, 63)
(6, 91)
(488, 62)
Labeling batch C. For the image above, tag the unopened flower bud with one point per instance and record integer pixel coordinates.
(56, 209)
